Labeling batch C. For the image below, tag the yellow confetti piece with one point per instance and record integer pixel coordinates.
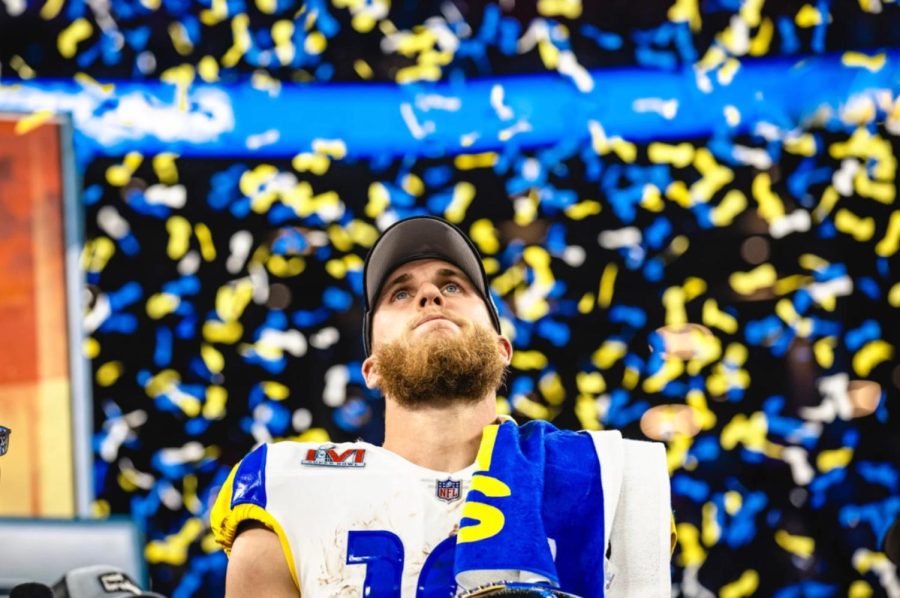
(51, 9)
(747, 283)
(165, 169)
(530, 408)
(586, 412)
(109, 373)
(549, 54)
(583, 209)
(714, 317)
(179, 230)
(834, 459)
(285, 268)
(483, 233)
(732, 205)
(858, 59)
(586, 303)
(463, 194)
(506, 282)
(680, 155)
(119, 175)
(671, 369)
(715, 176)
(883, 192)
(859, 589)
(849, 223)
(240, 33)
(733, 502)
(491, 265)
(160, 305)
(336, 268)
(590, 383)
(226, 333)
(751, 432)
(100, 509)
(808, 16)
(686, 11)
(745, 585)
(208, 69)
(608, 354)
(801, 145)
(759, 45)
(771, 207)
(90, 348)
(267, 6)
(571, 9)
(551, 388)
(411, 74)
(870, 355)
(379, 200)
(894, 295)
(726, 73)
(180, 40)
(678, 192)
(472, 161)
(652, 198)
(702, 414)
(802, 546)
(673, 299)
(32, 121)
(216, 399)
(232, 299)
(204, 236)
(607, 285)
(630, 378)
(69, 38)
(213, 359)
(823, 349)
(275, 390)
(363, 22)
(174, 549)
(692, 553)
(161, 383)
(711, 531)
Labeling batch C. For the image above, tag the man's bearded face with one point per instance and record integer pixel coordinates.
(440, 369)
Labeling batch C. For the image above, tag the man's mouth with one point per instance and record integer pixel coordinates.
(431, 318)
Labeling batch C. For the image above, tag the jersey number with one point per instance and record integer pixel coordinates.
(382, 554)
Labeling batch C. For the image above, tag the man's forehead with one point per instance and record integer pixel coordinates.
(424, 267)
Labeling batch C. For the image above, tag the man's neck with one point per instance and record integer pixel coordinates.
(444, 439)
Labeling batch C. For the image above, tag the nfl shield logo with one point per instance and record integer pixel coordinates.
(448, 490)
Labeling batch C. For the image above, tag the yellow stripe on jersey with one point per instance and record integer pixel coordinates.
(224, 521)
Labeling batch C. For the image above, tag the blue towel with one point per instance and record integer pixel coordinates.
(535, 506)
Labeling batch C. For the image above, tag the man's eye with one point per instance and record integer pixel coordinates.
(452, 287)
(399, 295)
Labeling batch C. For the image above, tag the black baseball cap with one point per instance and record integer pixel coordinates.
(421, 238)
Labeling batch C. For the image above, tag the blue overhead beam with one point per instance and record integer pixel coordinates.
(373, 119)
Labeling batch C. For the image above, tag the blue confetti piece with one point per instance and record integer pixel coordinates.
(280, 213)
(126, 295)
(807, 589)
(509, 33)
(186, 285)
(654, 269)
(187, 327)
(696, 490)
(705, 449)
(605, 40)
(658, 232)
(521, 385)
(290, 241)
(119, 323)
(278, 418)
(337, 299)
(308, 319)
(867, 331)
(92, 195)
(557, 333)
(162, 355)
(634, 317)
(659, 59)
(196, 426)
(869, 287)
(884, 474)
(129, 245)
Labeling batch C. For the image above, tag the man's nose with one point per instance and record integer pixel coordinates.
(429, 294)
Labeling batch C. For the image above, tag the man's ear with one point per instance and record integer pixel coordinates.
(506, 349)
(370, 373)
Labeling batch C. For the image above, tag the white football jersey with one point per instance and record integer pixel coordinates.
(348, 516)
